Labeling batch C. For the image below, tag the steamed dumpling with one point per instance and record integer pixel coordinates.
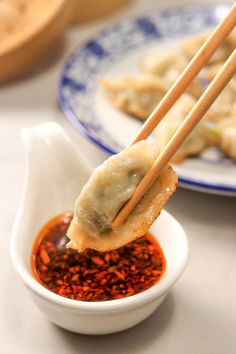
(110, 186)
(227, 136)
(137, 95)
(212, 71)
(225, 105)
(192, 44)
(195, 143)
(162, 62)
(168, 64)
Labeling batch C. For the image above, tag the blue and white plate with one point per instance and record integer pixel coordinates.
(115, 52)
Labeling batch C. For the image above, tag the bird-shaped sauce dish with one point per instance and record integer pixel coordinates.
(56, 173)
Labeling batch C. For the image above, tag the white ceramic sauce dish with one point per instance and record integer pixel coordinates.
(56, 173)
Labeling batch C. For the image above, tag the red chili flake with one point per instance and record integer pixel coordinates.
(112, 269)
(43, 267)
(59, 282)
(97, 260)
(92, 275)
(107, 257)
(75, 277)
(103, 282)
(119, 275)
(44, 256)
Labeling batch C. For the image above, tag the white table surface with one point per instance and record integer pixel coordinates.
(197, 317)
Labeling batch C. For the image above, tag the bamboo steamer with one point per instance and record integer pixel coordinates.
(21, 51)
(25, 49)
(86, 10)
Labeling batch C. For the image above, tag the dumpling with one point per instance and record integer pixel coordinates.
(168, 65)
(110, 186)
(191, 45)
(225, 105)
(227, 136)
(160, 61)
(195, 143)
(212, 70)
(137, 95)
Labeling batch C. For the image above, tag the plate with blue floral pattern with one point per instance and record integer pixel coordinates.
(115, 52)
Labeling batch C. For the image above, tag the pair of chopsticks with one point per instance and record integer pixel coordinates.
(206, 100)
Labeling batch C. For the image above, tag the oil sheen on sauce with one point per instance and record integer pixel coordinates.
(92, 275)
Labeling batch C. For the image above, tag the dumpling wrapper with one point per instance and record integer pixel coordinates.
(161, 61)
(137, 95)
(91, 225)
(168, 64)
(191, 45)
(225, 105)
(227, 136)
(195, 143)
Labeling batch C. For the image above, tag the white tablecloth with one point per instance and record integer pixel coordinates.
(198, 316)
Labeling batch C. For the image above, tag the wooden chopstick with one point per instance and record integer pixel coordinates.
(206, 100)
(190, 72)
(193, 68)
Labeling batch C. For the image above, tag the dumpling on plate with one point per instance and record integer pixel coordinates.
(162, 61)
(212, 70)
(227, 136)
(168, 64)
(195, 143)
(225, 105)
(138, 95)
(110, 186)
(191, 45)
